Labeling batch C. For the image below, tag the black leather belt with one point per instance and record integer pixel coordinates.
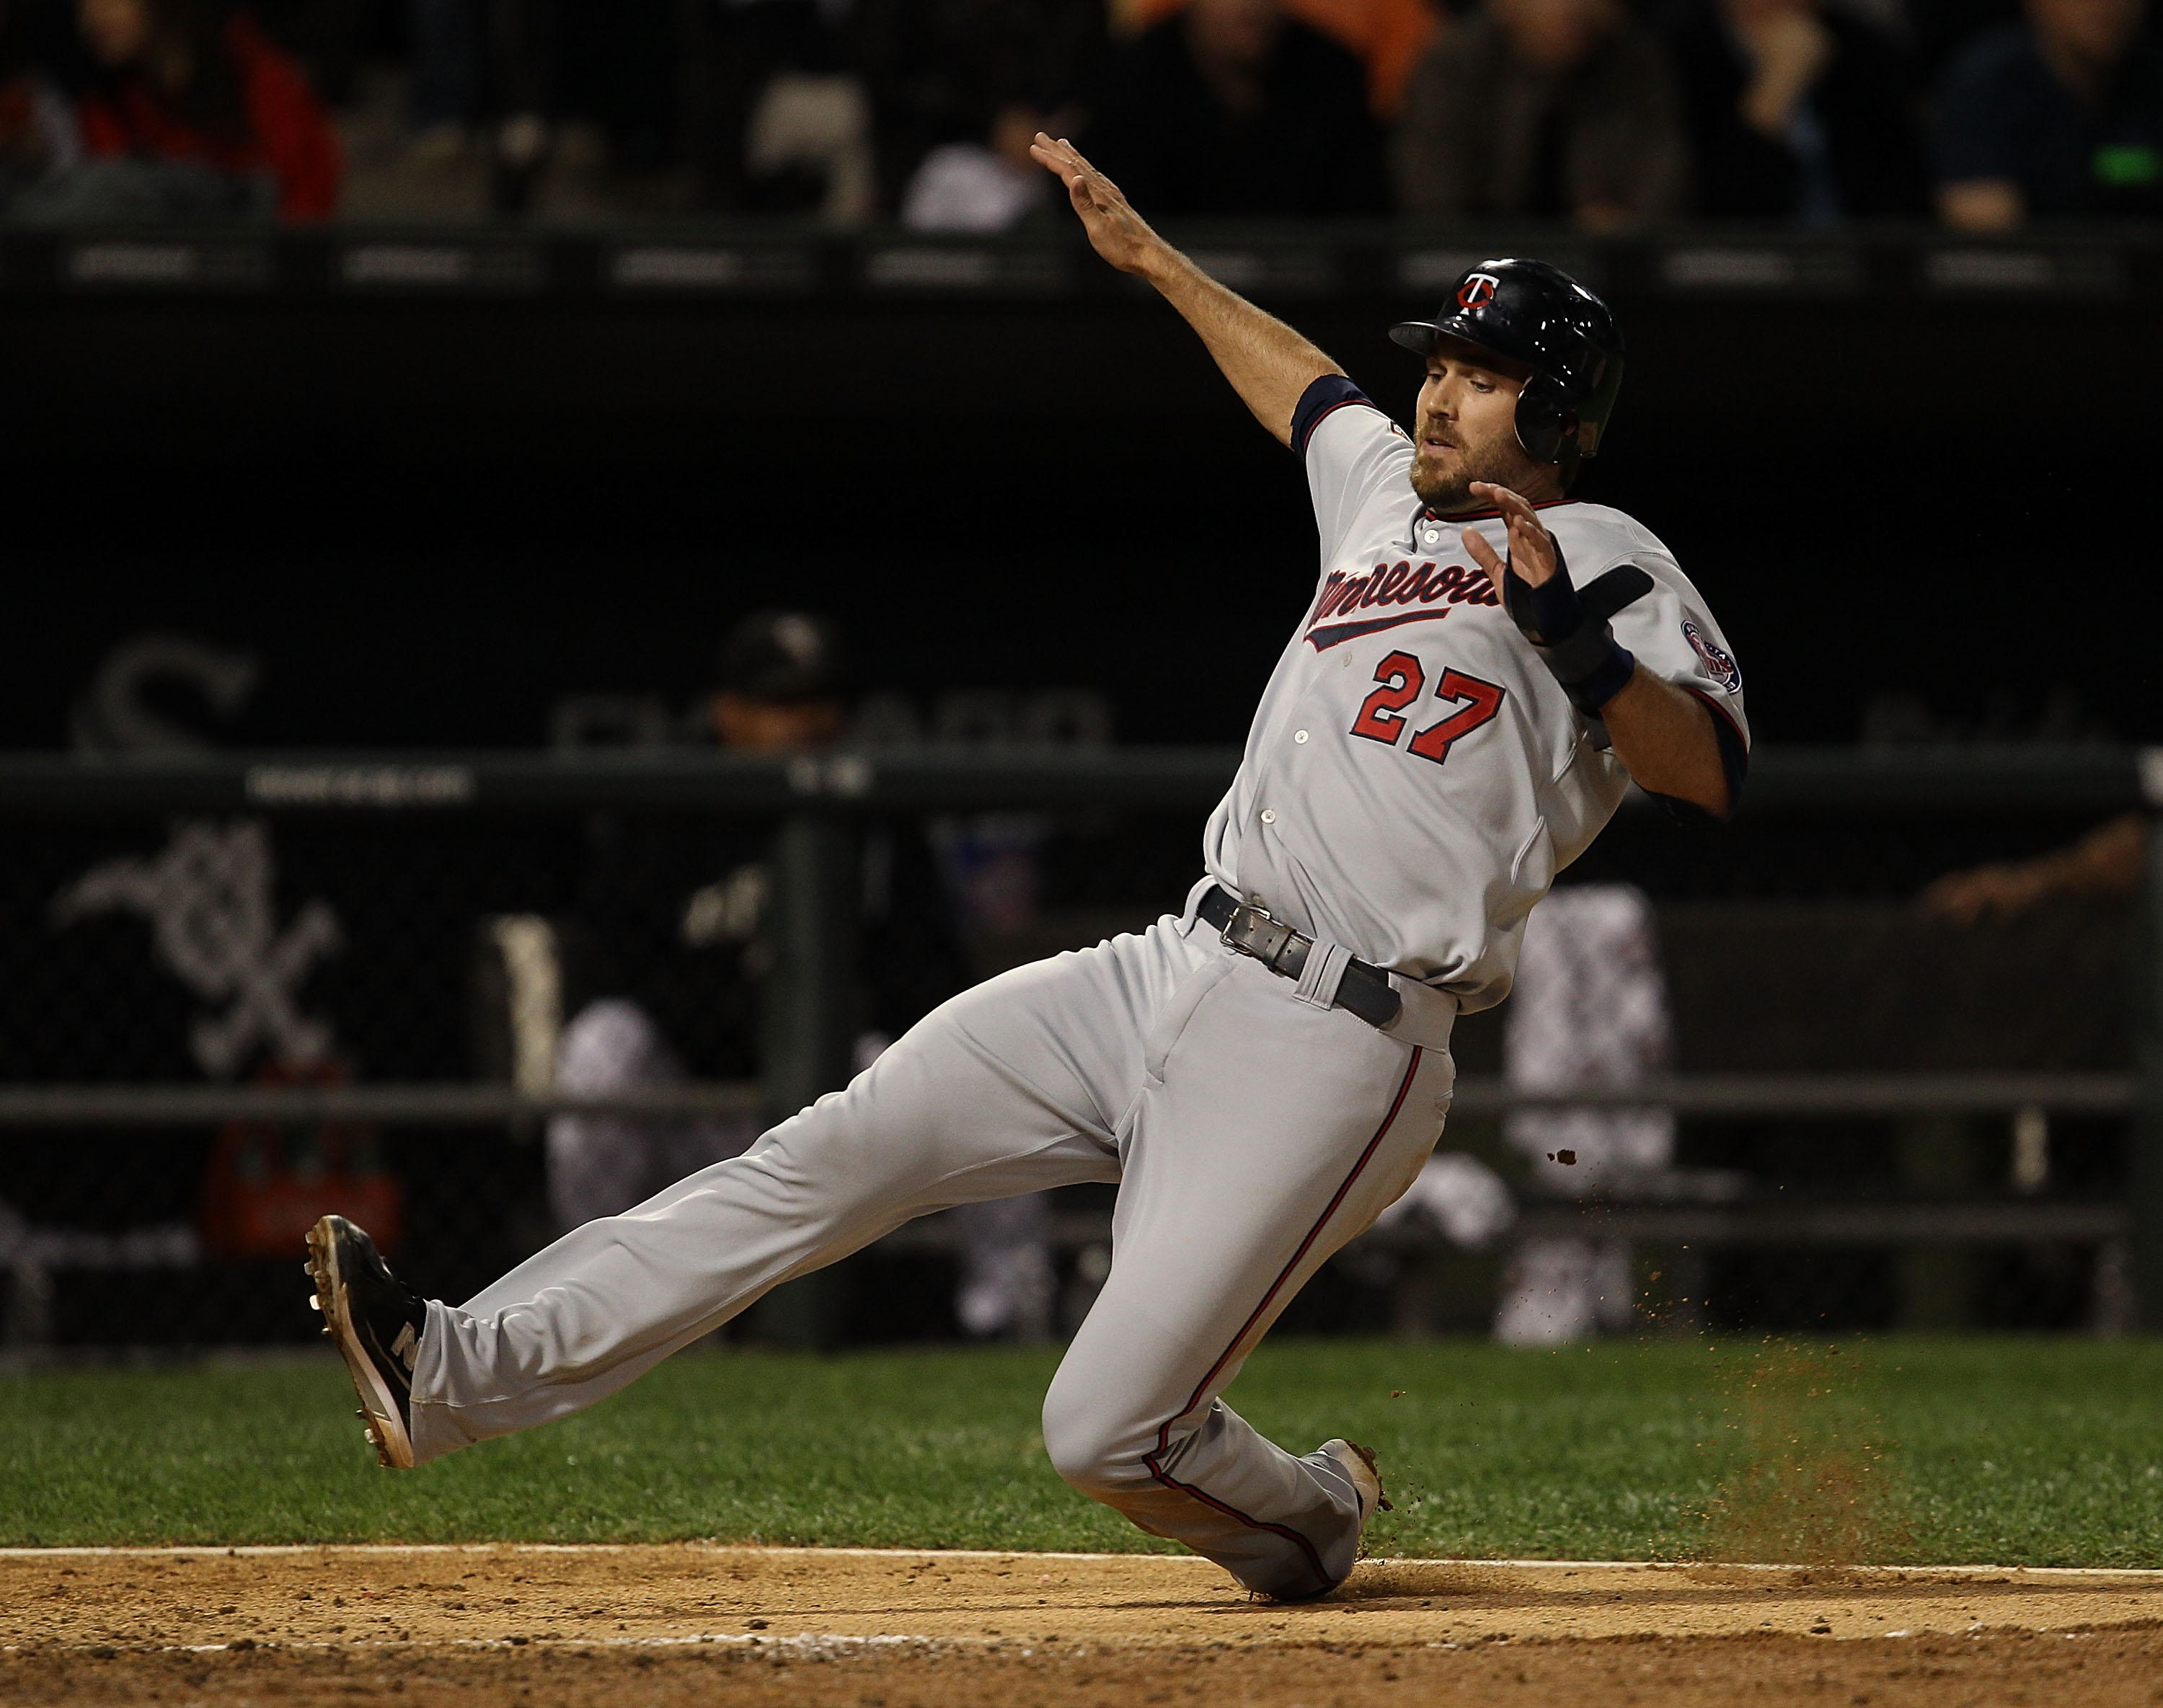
(1364, 990)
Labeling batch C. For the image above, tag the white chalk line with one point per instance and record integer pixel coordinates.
(831, 1645)
(245, 1551)
(769, 1551)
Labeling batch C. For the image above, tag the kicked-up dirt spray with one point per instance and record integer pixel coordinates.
(1806, 1481)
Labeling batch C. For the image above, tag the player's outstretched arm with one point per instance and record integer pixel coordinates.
(1664, 737)
(1270, 365)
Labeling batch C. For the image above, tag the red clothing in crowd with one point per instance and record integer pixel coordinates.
(288, 131)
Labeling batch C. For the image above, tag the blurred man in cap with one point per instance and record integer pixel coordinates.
(662, 966)
(780, 685)
(780, 689)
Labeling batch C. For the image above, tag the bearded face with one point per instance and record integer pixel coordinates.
(1468, 431)
(1450, 460)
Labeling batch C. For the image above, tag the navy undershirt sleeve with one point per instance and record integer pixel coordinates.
(1734, 759)
(1328, 394)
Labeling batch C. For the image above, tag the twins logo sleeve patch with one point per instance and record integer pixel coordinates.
(1719, 663)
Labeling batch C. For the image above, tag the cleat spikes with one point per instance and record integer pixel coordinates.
(366, 1310)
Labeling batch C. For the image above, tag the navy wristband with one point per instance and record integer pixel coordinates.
(1610, 680)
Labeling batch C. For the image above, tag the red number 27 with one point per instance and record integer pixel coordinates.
(1403, 678)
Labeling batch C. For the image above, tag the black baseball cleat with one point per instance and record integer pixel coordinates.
(377, 1322)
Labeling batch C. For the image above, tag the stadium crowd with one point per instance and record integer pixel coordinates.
(1607, 113)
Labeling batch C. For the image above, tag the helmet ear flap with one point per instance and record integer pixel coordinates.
(1542, 423)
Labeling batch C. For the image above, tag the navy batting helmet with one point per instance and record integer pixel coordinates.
(1539, 316)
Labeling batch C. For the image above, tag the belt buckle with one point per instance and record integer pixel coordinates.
(1251, 930)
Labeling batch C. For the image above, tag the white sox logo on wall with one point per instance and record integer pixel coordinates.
(1477, 291)
(210, 900)
(1717, 659)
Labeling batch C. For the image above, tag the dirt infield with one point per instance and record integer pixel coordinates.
(882, 1630)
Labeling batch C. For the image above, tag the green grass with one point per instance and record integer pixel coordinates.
(2044, 1453)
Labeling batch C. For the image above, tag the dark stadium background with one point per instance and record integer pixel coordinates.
(431, 519)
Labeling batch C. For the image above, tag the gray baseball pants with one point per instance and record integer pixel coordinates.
(1252, 1131)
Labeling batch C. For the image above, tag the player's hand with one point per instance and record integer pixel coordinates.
(1532, 553)
(1116, 231)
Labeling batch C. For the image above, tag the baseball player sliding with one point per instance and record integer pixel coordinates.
(1483, 668)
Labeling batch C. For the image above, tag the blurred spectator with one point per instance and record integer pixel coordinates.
(444, 38)
(1457, 1196)
(1798, 112)
(602, 1164)
(1543, 109)
(611, 62)
(970, 82)
(2062, 115)
(38, 138)
(1232, 108)
(1388, 35)
(327, 38)
(193, 113)
(523, 61)
(1008, 1286)
(1938, 29)
(661, 970)
(443, 44)
(2104, 865)
(1589, 1007)
(777, 120)
(653, 976)
(814, 129)
(980, 186)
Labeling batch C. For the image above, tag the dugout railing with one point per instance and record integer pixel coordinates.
(718, 260)
(812, 804)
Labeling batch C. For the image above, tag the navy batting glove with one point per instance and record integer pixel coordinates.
(1568, 628)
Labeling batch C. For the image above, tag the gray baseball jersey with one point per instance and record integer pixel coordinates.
(1415, 777)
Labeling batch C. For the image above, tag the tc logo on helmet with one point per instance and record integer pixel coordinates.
(1477, 291)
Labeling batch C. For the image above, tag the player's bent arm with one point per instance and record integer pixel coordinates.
(1671, 742)
(1270, 365)
(1667, 739)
